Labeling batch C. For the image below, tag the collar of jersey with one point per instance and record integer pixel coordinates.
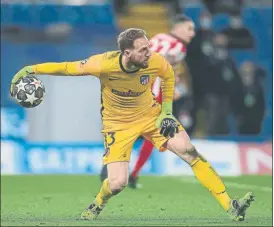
(122, 67)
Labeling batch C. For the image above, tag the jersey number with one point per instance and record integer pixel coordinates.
(109, 139)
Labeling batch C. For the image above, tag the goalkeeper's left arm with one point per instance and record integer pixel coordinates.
(166, 121)
(91, 66)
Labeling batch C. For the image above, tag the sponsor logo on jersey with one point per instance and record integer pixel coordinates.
(128, 93)
(113, 78)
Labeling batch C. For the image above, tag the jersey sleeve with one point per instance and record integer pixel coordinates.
(166, 73)
(90, 66)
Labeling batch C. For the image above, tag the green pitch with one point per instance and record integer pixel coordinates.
(168, 201)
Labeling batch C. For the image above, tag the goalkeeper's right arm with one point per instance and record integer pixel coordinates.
(91, 66)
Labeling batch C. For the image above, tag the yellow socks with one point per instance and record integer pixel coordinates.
(211, 180)
(104, 195)
(204, 173)
(223, 199)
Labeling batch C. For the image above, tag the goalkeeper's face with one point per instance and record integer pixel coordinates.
(140, 53)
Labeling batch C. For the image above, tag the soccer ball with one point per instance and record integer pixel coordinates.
(28, 91)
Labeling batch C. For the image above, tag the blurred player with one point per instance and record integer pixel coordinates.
(129, 110)
(172, 46)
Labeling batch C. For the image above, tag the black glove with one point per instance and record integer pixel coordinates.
(169, 127)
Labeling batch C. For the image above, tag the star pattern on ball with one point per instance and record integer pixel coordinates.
(29, 91)
(31, 98)
(21, 85)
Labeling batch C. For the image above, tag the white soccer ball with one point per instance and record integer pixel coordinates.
(28, 91)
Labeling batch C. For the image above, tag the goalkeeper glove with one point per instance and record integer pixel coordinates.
(166, 121)
(28, 70)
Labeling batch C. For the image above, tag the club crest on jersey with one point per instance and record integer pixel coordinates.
(144, 79)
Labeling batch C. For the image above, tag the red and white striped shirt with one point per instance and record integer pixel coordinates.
(172, 49)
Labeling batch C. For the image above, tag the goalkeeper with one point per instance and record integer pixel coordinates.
(129, 110)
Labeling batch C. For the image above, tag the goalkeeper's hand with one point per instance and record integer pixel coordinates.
(166, 121)
(28, 70)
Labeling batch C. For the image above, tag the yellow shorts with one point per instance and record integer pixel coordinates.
(118, 143)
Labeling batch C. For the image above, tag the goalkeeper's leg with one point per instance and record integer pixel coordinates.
(144, 154)
(115, 183)
(181, 146)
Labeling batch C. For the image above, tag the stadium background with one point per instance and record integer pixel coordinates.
(51, 155)
(63, 134)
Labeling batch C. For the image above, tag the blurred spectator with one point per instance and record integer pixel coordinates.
(238, 36)
(201, 54)
(232, 7)
(223, 95)
(223, 90)
(251, 110)
(216, 81)
(200, 59)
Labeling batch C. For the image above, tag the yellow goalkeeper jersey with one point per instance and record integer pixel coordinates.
(126, 96)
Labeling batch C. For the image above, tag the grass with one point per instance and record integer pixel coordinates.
(58, 200)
